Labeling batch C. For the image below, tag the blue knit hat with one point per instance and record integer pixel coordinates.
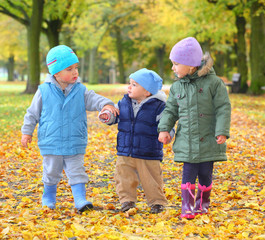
(148, 79)
(59, 58)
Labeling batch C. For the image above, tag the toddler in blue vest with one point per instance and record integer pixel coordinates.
(59, 107)
(138, 149)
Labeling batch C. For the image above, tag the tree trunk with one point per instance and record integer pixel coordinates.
(206, 46)
(92, 77)
(241, 53)
(82, 68)
(219, 65)
(53, 31)
(230, 62)
(84, 64)
(10, 68)
(33, 34)
(119, 52)
(257, 46)
(160, 53)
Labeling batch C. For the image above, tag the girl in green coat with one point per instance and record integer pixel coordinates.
(199, 101)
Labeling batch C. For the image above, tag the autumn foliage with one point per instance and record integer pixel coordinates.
(237, 208)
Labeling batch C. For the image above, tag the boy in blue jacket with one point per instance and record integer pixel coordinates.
(59, 107)
(139, 151)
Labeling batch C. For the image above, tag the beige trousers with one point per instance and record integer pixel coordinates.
(129, 171)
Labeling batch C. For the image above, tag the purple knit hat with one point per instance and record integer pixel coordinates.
(187, 52)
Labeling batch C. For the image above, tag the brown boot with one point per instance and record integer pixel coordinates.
(127, 205)
(157, 208)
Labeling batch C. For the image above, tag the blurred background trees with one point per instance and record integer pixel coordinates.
(113, 38)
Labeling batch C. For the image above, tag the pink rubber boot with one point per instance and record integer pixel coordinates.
(187, 196)
(202, 201)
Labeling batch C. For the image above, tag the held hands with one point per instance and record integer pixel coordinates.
(25, 140)
(103, 116)
(110, 108)
(164, 137)
(220, 139)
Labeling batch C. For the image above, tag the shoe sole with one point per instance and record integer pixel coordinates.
(86, 207)
(187, 216)
(126, 209)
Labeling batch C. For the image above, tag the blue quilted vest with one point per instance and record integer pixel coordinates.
(138, 136)
(63, 122)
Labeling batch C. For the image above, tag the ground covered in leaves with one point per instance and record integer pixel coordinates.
(237, 204)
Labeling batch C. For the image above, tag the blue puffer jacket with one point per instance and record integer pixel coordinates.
(138, 136)
(63, 123)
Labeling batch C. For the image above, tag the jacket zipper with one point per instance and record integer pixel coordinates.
(189, 117)
(132, 130)
(132, 126)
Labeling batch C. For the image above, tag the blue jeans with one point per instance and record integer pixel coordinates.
(204, 172)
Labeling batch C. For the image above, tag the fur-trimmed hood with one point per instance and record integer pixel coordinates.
(206, 65)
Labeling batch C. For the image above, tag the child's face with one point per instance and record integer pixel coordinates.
(67, 76)
(137, 92)
(180, 69)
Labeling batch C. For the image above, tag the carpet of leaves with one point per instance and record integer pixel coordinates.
(237, 202)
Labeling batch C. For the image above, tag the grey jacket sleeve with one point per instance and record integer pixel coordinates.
(111, 118)
(95, 102)
(32, 116)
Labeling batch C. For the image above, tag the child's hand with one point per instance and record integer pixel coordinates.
(220, 139)
(112, 109)
(164, 137)
(25, 140)
(104, 116)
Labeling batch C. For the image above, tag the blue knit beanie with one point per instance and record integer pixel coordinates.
(148, 79)
(59, 58)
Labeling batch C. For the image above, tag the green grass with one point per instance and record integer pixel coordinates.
(252, 106)
(16, 87)
(104, 87)
(12, 109)
(12, 87)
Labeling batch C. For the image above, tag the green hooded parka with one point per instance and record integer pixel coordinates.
(201, 105)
